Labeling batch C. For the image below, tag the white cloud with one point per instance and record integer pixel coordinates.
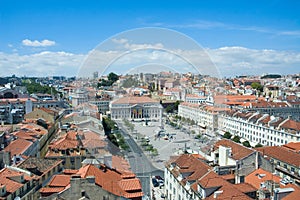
(230, 61)
(134, 46)
(36, 43)
(40, 64)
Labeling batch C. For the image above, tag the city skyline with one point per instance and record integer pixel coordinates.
(54, 38)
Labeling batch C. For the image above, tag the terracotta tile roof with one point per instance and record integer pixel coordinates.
(120, 163)
(130, 184)
(245, 187)
(134, 100)
(51, 190)
(11, 185)
(258, 176)
(24, 135)
(68, 141)
(282, 154)
(59, 180)
(70, 171)
(18, 146)
(294, 195)
(94, 143)
(291, 124)
(110, 179)
(293, 146)
(188, 164)
(238, 151)
(34, 127)
(229, 191)
(228, 176)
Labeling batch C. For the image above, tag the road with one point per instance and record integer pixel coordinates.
(139, 162)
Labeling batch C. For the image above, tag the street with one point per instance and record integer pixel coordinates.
(139, 162)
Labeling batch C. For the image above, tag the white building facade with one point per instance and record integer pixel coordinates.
(136, 108)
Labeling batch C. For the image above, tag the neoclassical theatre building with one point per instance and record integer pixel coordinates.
(136, 108)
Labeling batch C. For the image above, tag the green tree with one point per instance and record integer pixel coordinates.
(236, 139)
(154, 152)
(257, 86)
(112, 77)
(227, 135)
(246, 143)
(258, 145)
(169, 109)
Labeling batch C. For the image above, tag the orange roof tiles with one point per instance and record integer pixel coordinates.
(258, 176)
(294, 195)
(109, 180)
(11, 185)
(238, 151)
(51, 190)
(282, 154)
(291, 124)
(245, 187)
(59, 180)
(130, 184)
(120, 163)
(293, 146)
(229, 191)
(18, 146)
(188, 163)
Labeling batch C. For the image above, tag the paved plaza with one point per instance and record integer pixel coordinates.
(171, 142)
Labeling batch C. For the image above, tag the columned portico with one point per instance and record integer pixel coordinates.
(136, 108)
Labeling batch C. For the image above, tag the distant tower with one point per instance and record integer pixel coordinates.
(28, 106)
(95, 75)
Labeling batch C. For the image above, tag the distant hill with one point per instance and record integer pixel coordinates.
(271, 76)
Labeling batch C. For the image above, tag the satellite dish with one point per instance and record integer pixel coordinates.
(17, 198)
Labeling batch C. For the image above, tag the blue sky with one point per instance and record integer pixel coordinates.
(76, 27)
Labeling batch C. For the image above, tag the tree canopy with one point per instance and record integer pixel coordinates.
(111, 79)
(227, 135)
(257, 86)
(33, 87)
(246, 143)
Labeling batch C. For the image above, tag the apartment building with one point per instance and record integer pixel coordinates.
(285, 162)
(205, 116)
(260, 128)
(232, 158)
(187, 177)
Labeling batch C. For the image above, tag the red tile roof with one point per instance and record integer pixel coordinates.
(59, 180)
(245, 187)
(294, 195)
(282, 154)
(11, 185)
(187, 163)
(259, 176)
(229, 191)
(51, 190)
(18, 146)
(112, 181)
(238, 151)
(293, 146)
(291, 124)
